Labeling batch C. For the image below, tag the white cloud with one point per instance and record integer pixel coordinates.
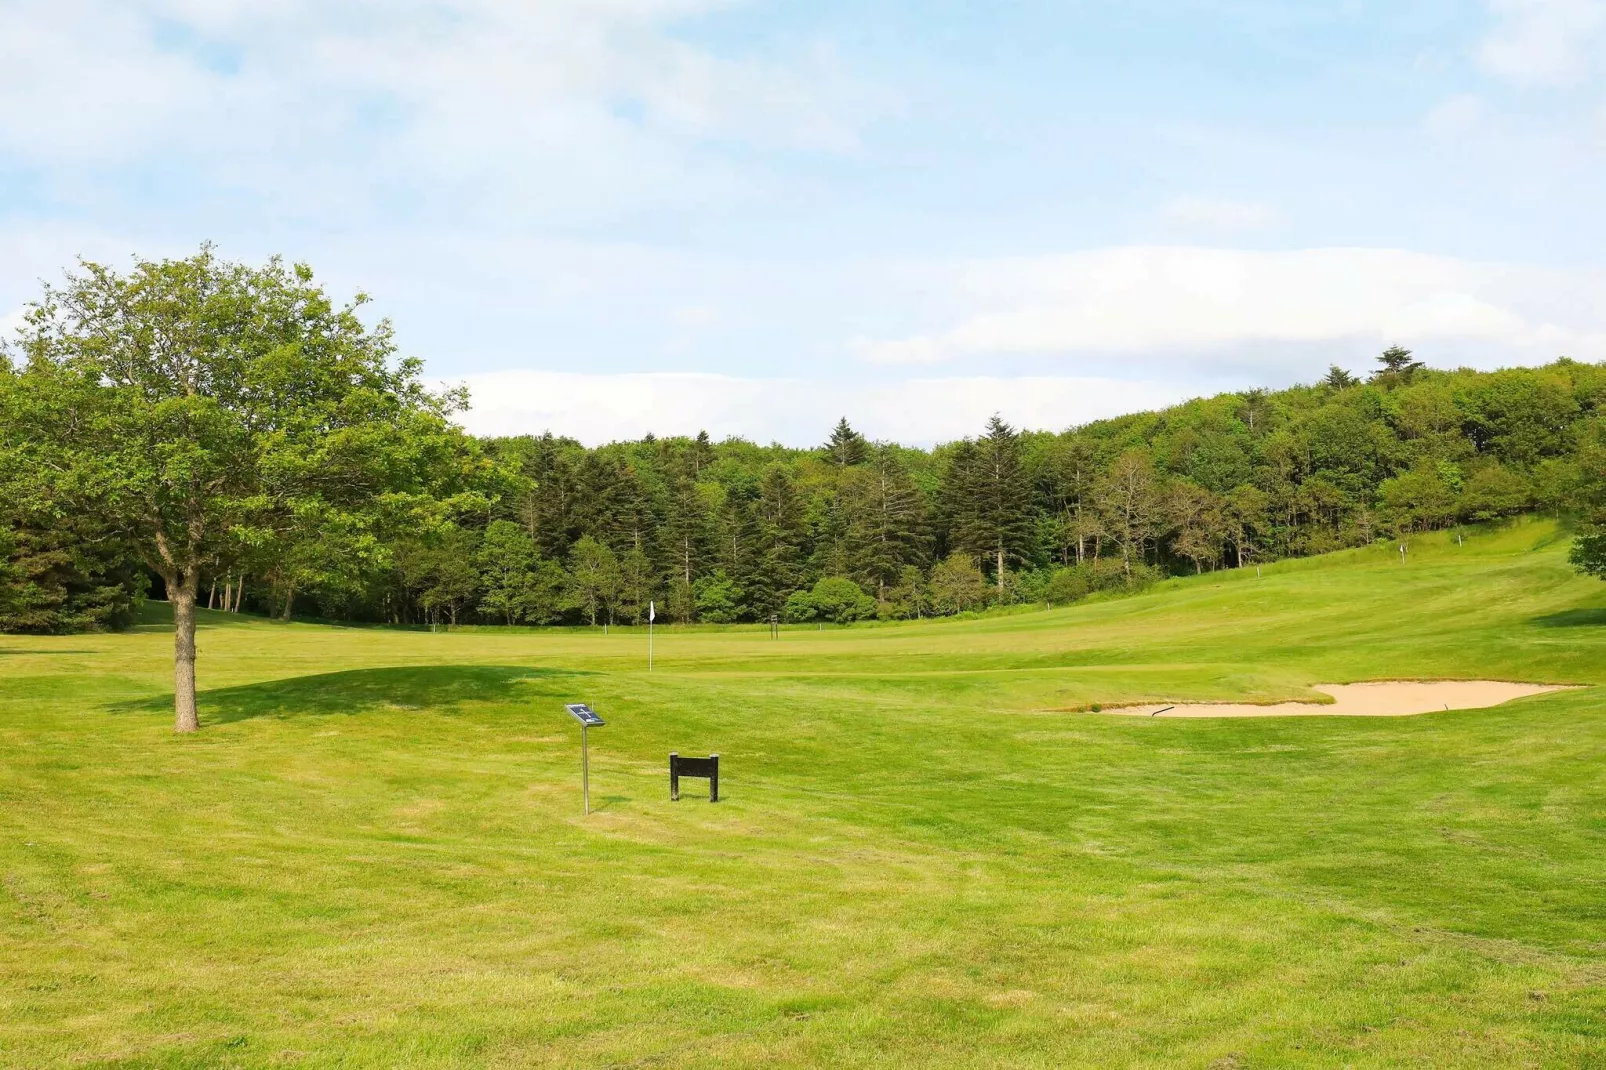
(1545, 42)
(1155, 301)
(797, 412)
(513, 110)
(1217, 216)
(1455, 117)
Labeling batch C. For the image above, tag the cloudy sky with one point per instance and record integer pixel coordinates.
(616, 216)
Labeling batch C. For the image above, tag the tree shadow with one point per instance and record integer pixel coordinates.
(1573, 618)
(410, 688)
(42, 653)
(157, 617)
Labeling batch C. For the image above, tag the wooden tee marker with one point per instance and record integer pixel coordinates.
(703, 767)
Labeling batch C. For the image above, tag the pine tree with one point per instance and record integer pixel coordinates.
(992, 499)
(1338, 379)
(887, 527)
(686, 530)
(846, 447)
(1396, 367)
(780, 534)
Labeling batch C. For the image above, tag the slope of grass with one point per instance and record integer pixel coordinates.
(373, 856)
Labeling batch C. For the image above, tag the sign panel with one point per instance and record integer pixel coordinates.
(585, 715)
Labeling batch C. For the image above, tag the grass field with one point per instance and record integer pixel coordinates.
(373, 853)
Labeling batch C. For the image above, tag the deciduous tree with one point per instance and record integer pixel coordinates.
(201, 405)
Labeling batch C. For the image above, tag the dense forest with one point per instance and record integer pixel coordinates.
(445, 529)
(548, 531)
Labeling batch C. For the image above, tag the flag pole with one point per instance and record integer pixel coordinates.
(652, 614)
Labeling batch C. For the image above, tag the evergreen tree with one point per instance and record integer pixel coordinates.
(846, 447)
(886, 525)
(636, 584)
(686, 530)
(780, 534)
(1396, 366)
(1339, 379)
(992, 500)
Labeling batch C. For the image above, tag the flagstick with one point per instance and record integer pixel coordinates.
(652, 613)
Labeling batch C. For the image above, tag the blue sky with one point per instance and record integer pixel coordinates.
(615, 216)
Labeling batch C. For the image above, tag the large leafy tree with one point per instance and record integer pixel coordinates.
(1130, 499)
(209, 410)
(1589, 548)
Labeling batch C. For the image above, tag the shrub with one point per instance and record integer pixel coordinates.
(840, 600)
(719, 600)
(957, 585)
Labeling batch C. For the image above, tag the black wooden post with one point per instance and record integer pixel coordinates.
(704, 767)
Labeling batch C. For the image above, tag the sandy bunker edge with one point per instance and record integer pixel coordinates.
(1376, 698)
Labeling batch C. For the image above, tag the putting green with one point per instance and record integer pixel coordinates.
(373, 854)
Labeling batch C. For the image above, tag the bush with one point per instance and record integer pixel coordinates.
(1072, 584)
(718, 599)
(1068, 585)
(799, 608)
(957, 585)
(839, 600)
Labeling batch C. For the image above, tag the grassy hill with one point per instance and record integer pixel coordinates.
(373, 854)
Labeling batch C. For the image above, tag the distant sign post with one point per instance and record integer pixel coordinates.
(588, 719)
(702, 767)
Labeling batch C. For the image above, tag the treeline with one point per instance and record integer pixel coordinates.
(542, 530)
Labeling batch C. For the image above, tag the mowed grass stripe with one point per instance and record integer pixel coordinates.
(373, 856)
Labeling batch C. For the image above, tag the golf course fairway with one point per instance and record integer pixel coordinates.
(373, 854)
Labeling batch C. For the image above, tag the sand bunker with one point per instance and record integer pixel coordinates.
(1386, 698)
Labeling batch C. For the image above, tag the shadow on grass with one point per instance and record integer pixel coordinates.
(426, 687)
(158, 617)
(1573, 618)
(42, 653)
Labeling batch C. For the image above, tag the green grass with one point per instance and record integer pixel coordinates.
(373, 856)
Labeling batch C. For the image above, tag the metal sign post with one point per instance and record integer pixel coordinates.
(588, 719)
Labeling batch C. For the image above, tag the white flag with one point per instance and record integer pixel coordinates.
(652, 612)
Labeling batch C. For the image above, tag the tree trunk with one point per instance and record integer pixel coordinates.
(1000, 574)
(289, 602)
(181, 593)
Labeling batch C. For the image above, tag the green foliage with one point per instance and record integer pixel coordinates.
(733, 531)
(836, 599)
(957, 585)
(908, 599)
(594, 578)
(216, 416)
(1067, 585)
(991, 498)
(846, 447)
(1589, 551)
(719, 600)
